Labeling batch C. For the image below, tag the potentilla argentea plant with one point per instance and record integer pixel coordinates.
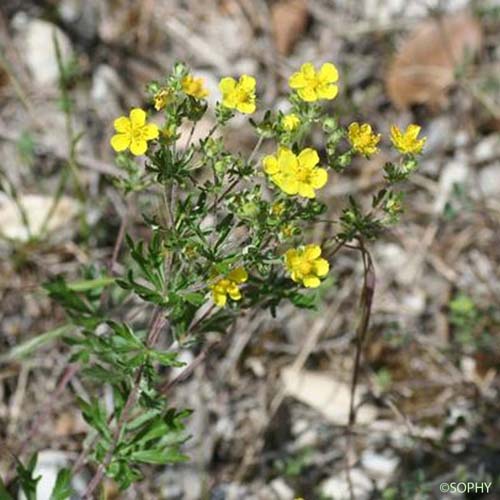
(227, 232)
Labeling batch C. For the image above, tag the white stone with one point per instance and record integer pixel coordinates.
(455, 172)
(281, 489)
(337, 487)
(489, 180)
(37, 39)
(380, 467)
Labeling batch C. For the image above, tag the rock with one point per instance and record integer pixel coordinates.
(380, 467)
(106, 87)
(281, 489)
(325, 394)
(455, 172)
(489, 180)
(37, 39)
(487, 148)
(36, 208)
(337, 487)
(48, 465)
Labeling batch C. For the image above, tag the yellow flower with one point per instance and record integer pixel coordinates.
(407, 142)
(363, 139)
(194, 87)
(290, 122)
(278, 208)
(296, 174)
(240, 94)
(229, 286)
(133, 132)
(312, 85)
(161, 98)
(287, 231)
(306, 266)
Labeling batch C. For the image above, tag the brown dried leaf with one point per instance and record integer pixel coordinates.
(424, 67)
(289, 21)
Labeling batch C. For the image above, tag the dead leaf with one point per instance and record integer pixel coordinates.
(325, 394)
(424, 67)
(289, 21)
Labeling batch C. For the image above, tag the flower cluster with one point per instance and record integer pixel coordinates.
(306, 266)
(295, 171)
(296, 174)
(229, 286)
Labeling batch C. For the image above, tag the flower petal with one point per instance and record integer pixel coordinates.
(328, 91)
(321, 267)
(239, 275)
(122, 124)
(312, 252)
(307, 69)
(150, 131)
(247, 83)
(137, 117)
(307, 94)
(138, 147)
(270, 164)
(328, 73)
(120, 142)
(311, 281)
(306, 190)
(308, 158)
(319, 178)
(297, 81)
(246, 107)
(227, 85)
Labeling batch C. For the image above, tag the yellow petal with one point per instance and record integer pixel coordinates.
(235, 293)
(306, 190)
(137, 117)
(120, 142)
(220, 299)
(307, 94)
(307, 69)
(247, 83)
(122, 124)
(270, 164)
(328, 91)
(239, 275)
(246, 107)
(319, 178)
(150, 131)
(227, 85)
(413, 131)
(321, 267)
(308, 158)
(328, 73)
(297, 81)
(312, 252)
(289, 186)
(139, 147)
(287, 161)
(311, 281)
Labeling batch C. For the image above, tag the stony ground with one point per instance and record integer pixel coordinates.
(271, 402)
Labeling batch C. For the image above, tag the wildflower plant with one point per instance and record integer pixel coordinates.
(226, 232)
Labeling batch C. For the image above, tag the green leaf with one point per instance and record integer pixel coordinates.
(159, 457)
(4, 494)
(62, 489)
(25, 476)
